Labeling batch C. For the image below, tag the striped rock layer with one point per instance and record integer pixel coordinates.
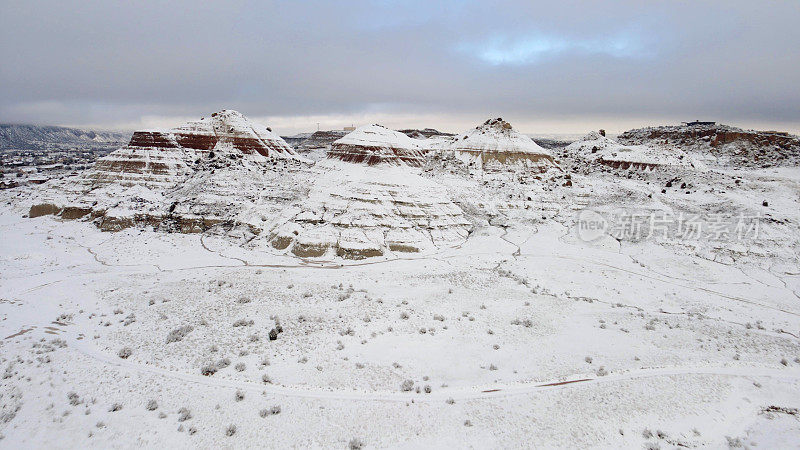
(375, 144)
(164, 157)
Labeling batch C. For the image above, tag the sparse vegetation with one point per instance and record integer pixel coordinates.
(179, 333)
(243, 323)
(231, 430)
(184, 414)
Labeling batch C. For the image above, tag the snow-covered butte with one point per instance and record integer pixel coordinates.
(495, 144)
(376, 144)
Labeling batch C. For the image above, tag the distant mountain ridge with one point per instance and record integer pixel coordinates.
(44, 137)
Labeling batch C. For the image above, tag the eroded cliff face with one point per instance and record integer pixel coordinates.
(355, 212)
(374, 144)
(495, 145)
(722, 144)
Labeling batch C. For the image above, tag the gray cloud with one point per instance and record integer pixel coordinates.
(451, 62)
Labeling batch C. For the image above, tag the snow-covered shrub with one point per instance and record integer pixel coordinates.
(125, 352)
(239, 367)
(355, 444)
(74, 399)
(273, 334)
(231, 430)
(239, 396)
(115, 407)
(209, 369)
(184, 414)
(179, 333)
(275, 410)
(243, 323)
(407, 386)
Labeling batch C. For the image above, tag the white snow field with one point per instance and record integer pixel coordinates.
(527, 332)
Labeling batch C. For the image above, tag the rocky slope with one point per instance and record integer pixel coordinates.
(595, 148)
(722, 144)
(375, 144)
(425, 133)
(320, 140)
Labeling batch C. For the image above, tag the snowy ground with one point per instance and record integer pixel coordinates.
(524, 335)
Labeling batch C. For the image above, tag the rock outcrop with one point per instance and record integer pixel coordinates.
(375, 144)
(596, 148)
(495, 145)
(722, 144)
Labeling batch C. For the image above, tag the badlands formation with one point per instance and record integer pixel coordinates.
(495, 145)
(212, 286)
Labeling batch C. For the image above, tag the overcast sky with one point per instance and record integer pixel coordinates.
(548, 67)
